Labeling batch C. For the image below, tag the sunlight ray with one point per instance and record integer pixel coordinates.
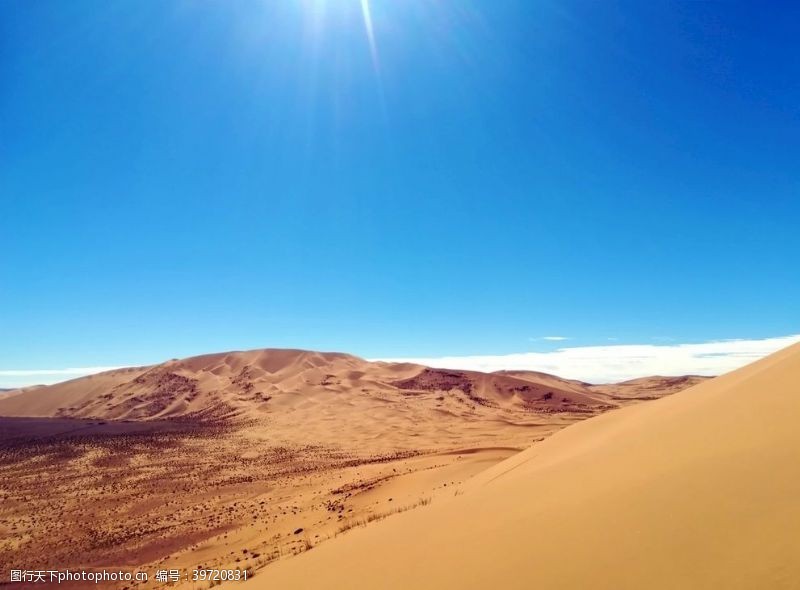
(367, 14)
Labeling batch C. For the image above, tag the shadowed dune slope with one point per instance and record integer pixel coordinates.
(697, 490)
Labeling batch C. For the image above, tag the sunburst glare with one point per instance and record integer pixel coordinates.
(367, 14)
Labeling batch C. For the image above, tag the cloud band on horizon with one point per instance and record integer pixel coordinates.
(594, 364)
(620, 362)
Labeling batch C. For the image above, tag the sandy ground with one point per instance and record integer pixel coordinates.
(697, 490)
(241, 460)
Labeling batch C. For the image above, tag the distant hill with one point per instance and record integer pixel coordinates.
(258, 383)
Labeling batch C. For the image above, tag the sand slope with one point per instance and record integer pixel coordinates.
(697, 490)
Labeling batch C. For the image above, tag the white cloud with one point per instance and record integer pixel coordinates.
(555, 338)
(618, 362)
(595, 364)
(10, 378)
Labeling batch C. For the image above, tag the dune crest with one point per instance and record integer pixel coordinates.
(696, 490)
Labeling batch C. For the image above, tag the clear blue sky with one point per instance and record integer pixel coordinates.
(183, 177)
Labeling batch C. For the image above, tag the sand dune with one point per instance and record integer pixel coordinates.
(251, 384)
(339, 399)
(229, 454)
(697, 490)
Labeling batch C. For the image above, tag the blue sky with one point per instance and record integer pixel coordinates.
(185, 177)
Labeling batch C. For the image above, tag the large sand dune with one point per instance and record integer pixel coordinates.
(337, 398)
(254, 383)
(257, 383)
(697, 490)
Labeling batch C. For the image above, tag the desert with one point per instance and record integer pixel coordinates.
(399, 295)
(239, 459)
